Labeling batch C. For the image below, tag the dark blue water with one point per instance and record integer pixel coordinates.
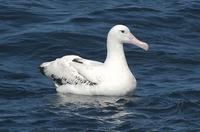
(168, 93)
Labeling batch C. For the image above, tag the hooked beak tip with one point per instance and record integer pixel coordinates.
(146, 47)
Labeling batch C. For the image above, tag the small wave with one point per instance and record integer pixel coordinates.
(133, 9)
(82, 19)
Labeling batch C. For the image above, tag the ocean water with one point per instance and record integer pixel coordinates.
(168, 92)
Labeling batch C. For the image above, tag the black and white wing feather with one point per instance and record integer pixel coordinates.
(72, 70)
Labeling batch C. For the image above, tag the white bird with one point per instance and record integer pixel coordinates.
(73, 74)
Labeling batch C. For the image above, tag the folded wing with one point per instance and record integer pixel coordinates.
(72, 70)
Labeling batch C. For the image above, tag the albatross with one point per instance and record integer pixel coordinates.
(76, 75)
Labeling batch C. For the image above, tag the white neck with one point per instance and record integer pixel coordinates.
(115, 53)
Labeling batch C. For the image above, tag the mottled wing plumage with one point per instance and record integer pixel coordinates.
(62, 72)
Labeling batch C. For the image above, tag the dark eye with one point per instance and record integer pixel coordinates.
(122, 31)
